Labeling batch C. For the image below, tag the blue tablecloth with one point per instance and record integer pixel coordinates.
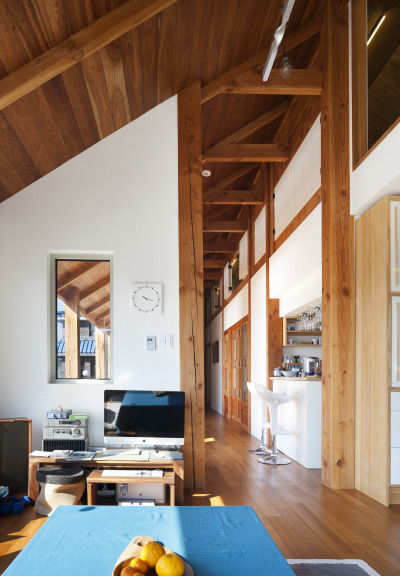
(88, 540)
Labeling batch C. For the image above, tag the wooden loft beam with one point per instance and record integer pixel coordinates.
(232, 177)
(225, 226)
(220, 247)
(251, 153)
(292, 40)
(97, 305)
(301, 83)
(77, 47)
(72, 276)
(235, 197)
(214, 263)
(250, 128)
(212, 275)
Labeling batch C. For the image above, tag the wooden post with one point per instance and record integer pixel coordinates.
(100, 340)
(72, 335)
(338, 347)
(191, 320)
(274, 322)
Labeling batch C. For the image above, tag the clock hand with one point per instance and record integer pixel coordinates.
(149, 299)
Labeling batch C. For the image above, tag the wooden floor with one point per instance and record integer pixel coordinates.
(305, 519)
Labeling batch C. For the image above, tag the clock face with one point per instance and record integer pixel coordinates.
(146, 298)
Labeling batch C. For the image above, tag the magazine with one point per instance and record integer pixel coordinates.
(80, 456)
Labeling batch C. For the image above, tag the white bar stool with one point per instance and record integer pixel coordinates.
(262, 450)
(273, 401)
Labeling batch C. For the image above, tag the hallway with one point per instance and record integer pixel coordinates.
(305, 519)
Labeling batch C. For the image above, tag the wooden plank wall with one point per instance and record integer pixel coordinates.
(191, 300)
(338, 348)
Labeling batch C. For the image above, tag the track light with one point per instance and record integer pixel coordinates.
(376, 27)
(230, 277)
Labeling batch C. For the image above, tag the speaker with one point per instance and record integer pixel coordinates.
(15, 446)
(76, 445)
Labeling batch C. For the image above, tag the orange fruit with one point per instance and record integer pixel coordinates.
(139, 564)
(170, 565)
(151, 552)
(129, 571)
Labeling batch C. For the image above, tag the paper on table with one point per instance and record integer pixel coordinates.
(41, 453)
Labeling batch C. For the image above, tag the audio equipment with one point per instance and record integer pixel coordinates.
(76, 445)
(59, 413)
(15, 446)
(65, 423)
(64, 433)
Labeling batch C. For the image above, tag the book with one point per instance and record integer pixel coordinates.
(41, 453)
(80, 455)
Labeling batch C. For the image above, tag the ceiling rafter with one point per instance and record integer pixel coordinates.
(250, 153)
(212, 275)
(214, 263)
(225, 226)
(72, 276)
(234, 197)
(301, 83)
(220, 247)
(77, 47)
(292, 40)
(250, 128)
(95, 288)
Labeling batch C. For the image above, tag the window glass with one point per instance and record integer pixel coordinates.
(82, 345)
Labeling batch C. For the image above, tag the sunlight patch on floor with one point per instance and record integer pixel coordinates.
(217, 501)
(209, 439)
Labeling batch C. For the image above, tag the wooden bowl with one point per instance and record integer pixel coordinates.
(134, 550)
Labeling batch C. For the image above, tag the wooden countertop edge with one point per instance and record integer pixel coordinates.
(295, 378)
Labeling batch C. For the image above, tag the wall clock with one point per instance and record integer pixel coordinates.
(146, 298)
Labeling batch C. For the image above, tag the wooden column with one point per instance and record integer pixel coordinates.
(72, 335)
(338, 347)
(100, 339)
(250, 272)
(273, 321)
(191, 320)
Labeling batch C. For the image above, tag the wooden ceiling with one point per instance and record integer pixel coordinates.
(74, 71)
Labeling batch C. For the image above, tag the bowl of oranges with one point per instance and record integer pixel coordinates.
(146, 557)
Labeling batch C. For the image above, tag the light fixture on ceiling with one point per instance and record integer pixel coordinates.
(286, 68)
(278, 36)
(230, 287)
(206, 173)
(376, 26)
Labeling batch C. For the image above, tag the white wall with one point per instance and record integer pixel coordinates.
(237, 308)
(216, 368)
(296, 267)
(377, 176)
(121, 196)
(258, 344)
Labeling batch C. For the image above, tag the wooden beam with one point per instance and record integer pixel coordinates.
(300, 83)
(95, 288)
(225, 226)
(338, 294)
(77, 47)
(64, 281)
(291, 40)
(212, 275)
(235, 197)
(221, 247)
(214, 263)
(251, 153)
(232, 177)
(97, 305)
(250, 128)
(191, 319)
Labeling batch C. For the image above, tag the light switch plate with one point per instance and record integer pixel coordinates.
(151, 342)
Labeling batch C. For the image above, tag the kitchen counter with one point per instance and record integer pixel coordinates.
(297, 378)
(302, 416)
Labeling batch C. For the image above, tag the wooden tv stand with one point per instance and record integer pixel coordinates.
(175, 466)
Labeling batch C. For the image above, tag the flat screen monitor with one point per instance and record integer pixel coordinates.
(142, 418)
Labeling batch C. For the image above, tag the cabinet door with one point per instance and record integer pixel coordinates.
(395, 246)
(395, 340)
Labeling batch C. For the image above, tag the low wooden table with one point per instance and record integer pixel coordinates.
(175, 467)
(96, 477)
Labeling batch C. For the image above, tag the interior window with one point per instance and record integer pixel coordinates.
(82, 344)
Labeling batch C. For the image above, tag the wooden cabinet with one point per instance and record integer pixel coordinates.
(378, 351)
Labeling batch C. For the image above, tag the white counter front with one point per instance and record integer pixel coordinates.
(302, 416)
